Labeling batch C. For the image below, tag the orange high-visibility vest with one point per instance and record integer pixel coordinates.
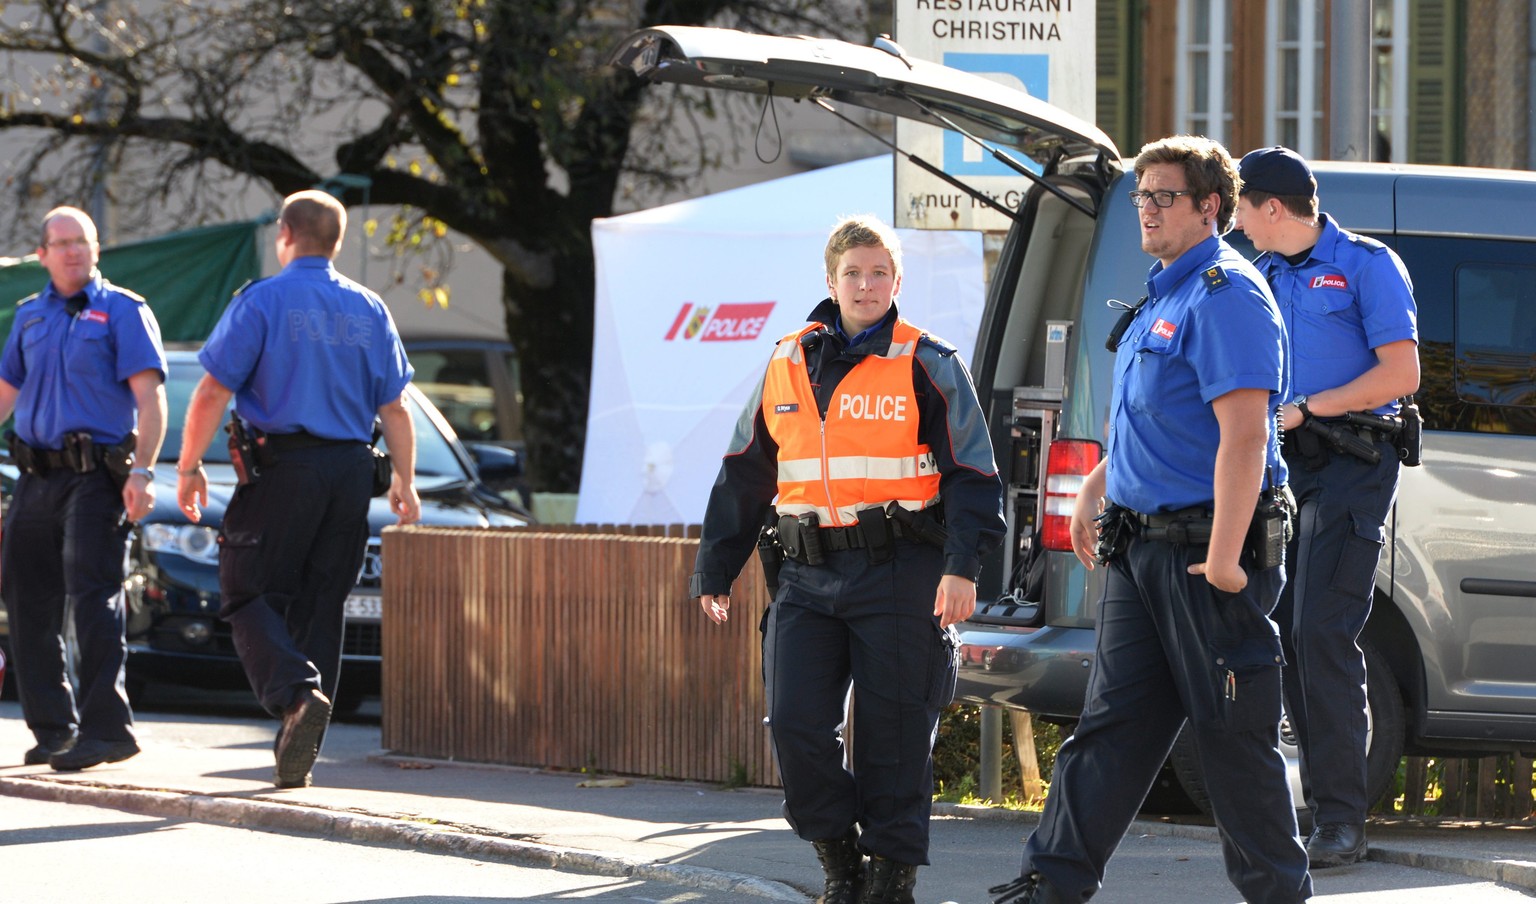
(867, 453)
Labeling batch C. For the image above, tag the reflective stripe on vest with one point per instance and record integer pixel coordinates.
(867, 453)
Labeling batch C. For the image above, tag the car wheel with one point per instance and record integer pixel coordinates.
(1383, 734)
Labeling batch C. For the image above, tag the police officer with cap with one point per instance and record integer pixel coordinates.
(1352, 322)
(311, 358)
(1183, 631)
(82, 369)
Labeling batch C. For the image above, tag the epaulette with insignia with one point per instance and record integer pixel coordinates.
(1375, 245)
(129, 293)
(247, 284)
(33, 297)
(943, 348)
(1215, 278)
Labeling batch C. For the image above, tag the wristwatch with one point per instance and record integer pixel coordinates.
(1301, 405)
(147, 473)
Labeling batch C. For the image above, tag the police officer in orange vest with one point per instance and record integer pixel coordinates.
(869, 433)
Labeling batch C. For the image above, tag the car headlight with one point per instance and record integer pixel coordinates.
(191, 541)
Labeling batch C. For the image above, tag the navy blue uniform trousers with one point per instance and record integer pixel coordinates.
(1171, 647)
(848, 621)
(1331, 566)
(290, 552)
(66, 544)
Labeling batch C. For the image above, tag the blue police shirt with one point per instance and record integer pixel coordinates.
(1209, 326)
(308, 350)
(1351, 295)
(72, 370)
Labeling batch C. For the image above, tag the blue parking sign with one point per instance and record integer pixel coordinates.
(1030, 71)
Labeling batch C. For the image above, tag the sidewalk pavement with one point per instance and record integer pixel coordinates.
(220, 770)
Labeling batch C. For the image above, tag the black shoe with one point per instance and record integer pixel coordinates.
(888, 882)
(1336, 844)
(843, 865)
(1031, 888)
(39, 755)
(298, 741)
(90, 752)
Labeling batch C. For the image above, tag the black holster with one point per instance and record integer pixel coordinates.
(771, 555)
(1116, 527)
(244, 455)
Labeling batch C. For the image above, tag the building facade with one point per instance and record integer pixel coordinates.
(1451, 80)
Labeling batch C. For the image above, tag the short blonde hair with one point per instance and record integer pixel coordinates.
(87, 225)
(862, 231)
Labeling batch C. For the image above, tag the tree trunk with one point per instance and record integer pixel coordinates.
(551, 328)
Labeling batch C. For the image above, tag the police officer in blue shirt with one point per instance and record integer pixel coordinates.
(1183, 627)
(310, 358)
(1352, 322)
(82, 369)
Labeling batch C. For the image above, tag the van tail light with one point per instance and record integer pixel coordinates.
(1067, 463)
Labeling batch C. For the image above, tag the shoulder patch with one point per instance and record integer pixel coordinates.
(1215, 278)
(1375, 246)
(33, 297)
(939, 345)
(247, 284)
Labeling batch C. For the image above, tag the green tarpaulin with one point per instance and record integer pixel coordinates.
(187, 277)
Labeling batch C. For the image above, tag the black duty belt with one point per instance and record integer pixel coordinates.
(1369, 434)
(838, 539)
(285, 442)
(1185, 527)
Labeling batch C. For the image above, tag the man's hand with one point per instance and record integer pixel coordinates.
(955, 600)
(191, 490)
(404, 501)
(1228, 577)
(138, 496)
(717, 606)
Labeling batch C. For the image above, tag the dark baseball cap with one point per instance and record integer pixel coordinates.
(1278, 171)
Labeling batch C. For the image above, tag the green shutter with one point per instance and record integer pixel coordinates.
(1434, 70)
(1116, 101)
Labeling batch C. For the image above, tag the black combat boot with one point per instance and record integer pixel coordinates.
(844, 868)
(888, 882)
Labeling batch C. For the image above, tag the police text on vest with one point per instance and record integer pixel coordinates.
(872, 407)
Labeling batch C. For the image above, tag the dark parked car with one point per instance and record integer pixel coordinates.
(174, 635)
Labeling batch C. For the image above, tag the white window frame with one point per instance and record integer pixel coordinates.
(1397, 113)
(1307, 114)
(1218, 57)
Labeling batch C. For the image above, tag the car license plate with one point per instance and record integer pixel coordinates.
(359, 606)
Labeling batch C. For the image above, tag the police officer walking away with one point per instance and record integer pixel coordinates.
(82, 366)
(1352, 322)
(869, 433)
(310, 358)
(1183, 632)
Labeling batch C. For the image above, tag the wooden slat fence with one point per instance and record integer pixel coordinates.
(569, 650)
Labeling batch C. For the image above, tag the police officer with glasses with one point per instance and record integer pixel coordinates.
(83, 370)
(1184, 515)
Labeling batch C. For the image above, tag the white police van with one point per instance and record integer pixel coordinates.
(1452, 637)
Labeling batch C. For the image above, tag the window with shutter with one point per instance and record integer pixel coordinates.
(1434, 55)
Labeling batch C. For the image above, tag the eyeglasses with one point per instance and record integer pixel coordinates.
(1160, 198)
(65, 244)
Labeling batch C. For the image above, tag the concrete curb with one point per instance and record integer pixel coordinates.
(365, 827)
